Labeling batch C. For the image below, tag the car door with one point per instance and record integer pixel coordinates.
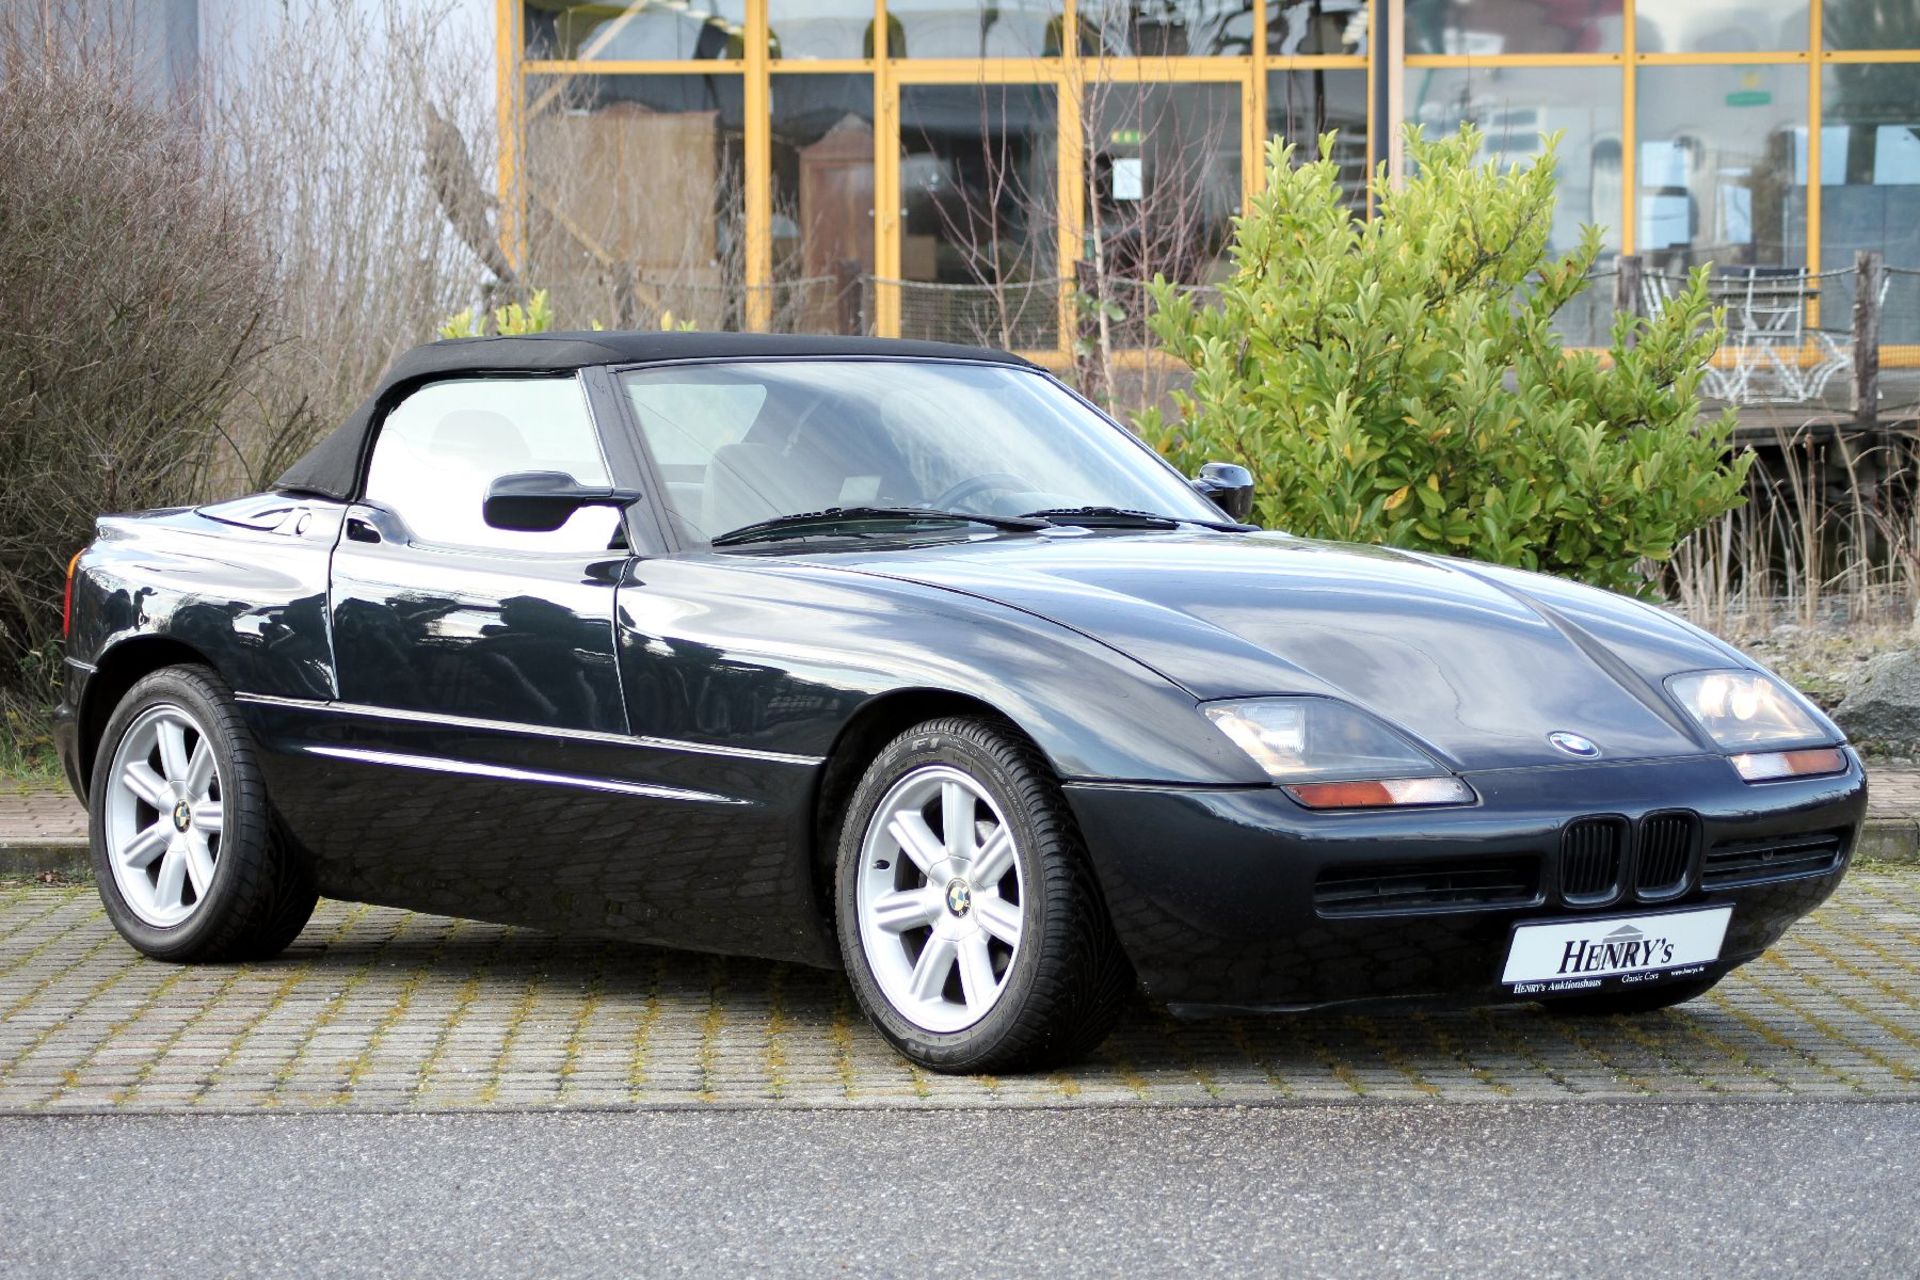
(475, 666)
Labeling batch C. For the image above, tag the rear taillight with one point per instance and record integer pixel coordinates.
(66, 606)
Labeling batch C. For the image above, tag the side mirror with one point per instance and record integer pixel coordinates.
(542, 501)
(1229, 486)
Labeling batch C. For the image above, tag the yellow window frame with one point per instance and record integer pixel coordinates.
(1069, 73)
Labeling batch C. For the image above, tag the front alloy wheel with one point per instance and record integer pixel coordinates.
(972, 931)
(939, 899)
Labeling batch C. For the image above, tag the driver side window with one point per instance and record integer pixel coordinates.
(442, 447)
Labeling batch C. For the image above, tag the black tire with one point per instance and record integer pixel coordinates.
(262, 891)
(1069, 981)
(1647, 999)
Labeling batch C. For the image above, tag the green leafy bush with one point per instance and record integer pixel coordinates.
(1399, 380)
(516, 320)
(510, 321)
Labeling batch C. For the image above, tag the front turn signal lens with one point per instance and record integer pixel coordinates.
(1381, 793)
(1766, 766)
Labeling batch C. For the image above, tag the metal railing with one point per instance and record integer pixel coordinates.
(1843, 343)
(1018, 315)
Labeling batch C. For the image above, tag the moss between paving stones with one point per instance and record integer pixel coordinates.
(381, 1010)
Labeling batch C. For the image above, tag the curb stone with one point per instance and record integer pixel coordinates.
(1890, 840)
(65, 856)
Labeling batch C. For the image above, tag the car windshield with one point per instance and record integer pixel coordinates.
(741, 444)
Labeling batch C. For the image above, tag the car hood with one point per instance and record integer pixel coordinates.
(1479, 662)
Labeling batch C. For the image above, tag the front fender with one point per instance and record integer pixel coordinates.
(779, 656)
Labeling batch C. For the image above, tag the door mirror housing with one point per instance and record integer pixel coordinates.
(1229, 486)
(542, 501)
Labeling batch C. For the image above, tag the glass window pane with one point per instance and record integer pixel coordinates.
(688, 418)
(1306, 27)
(1516, 107)
(1721, 26)
(807, 30)
(750, 442)
(1164, 178)
(636, 30)
(1870, 186)
(467, 433)
(1871, 24)
(1722, 166)
(979, 184)
(1482, 27)
(1163, 186)
(1302, 105)
(975, 28)
(633, 195)
(1166, 28)
(822, 201)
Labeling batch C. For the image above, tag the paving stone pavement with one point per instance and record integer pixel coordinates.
(376, 1009)
(40, 810)
(1893, 790)
(42, 828)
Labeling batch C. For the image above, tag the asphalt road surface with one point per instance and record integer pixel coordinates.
(1617, 1190)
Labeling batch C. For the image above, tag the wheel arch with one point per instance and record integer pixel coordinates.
(117, 670)
(878, 721)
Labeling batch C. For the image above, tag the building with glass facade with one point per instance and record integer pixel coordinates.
(947, 168)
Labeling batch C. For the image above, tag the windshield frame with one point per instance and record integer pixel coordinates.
(677, 544)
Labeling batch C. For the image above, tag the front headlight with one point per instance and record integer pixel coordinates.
(1756, 719)
(1742, 710)
(1328, 755)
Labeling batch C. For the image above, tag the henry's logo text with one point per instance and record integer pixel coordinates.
(1624, 948)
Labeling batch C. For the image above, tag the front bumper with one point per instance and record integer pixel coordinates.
(1222, 897)
(66, 726)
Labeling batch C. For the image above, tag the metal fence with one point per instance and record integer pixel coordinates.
(1799, 345)
(1898, 355)
(1017, 315)
(1587, 321)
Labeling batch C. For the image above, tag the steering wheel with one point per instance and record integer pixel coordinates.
(953, 496)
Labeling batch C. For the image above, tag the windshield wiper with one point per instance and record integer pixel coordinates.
(1126, 518)
(798, 526)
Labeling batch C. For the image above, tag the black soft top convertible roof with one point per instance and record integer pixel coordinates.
(332, 467)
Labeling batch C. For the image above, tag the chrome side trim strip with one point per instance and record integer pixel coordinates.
(480, 769)
(509, 726)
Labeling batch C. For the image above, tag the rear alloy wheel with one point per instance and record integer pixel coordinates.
(971, 928)
(188, 855)
(164, 815)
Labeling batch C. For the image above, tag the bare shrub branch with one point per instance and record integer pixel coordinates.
(136, 304)
(345, 125)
